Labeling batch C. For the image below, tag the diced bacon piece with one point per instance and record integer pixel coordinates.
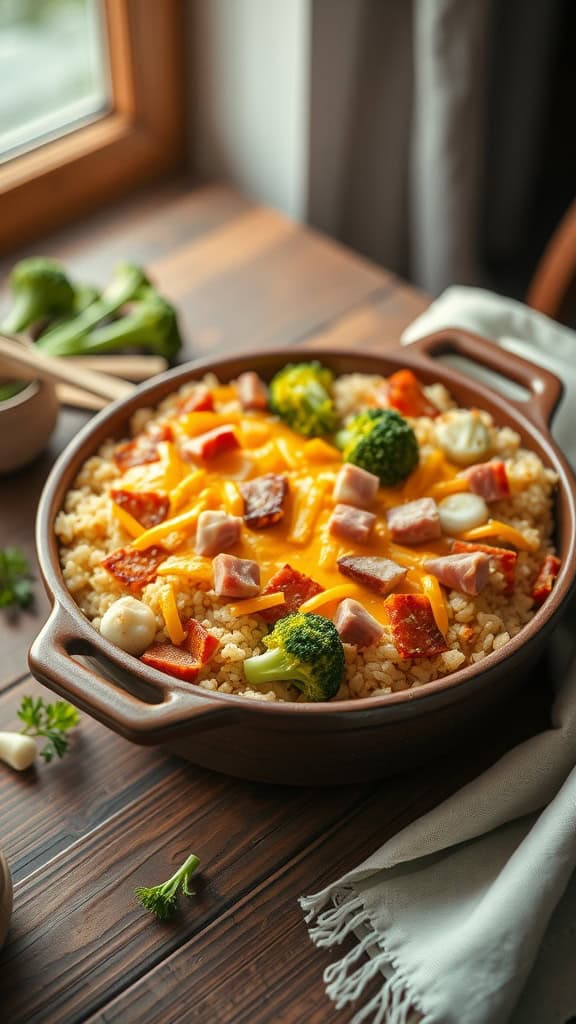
(296, 587)
(134, 569)
(355, 625)
(216, 532)
(183, 662)
(545, 579)
(504, 558)
(414, 522)
(235, 577)
(201, 644)
(160, 432)
(355, 486)
(467, 573)
(264, 499)
(351, 524)
(488, 480)
(212, 443)
(252, 391)
(139, 452)
(199, 400)
(413, 626)
(403, 391)
(147, 507)
(175, 661)
(379, 574)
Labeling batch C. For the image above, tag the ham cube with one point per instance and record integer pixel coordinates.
(351, 524)
(209, 445)
(355, 625)
(379, 574)
(488, 480)
(467, 573)
(252, 391)
(235, 577)
(502, 558)
(216, 532)
(414, 522)
(355, 486)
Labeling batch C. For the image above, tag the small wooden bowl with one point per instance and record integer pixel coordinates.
(26, 423)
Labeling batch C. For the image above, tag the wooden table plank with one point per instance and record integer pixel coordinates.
(241, 832)
(48, 808)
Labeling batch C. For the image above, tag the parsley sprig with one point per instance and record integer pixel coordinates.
(50, 721)
(161, 899)
(15, 579)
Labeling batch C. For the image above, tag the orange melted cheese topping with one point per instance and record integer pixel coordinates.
(302, 538)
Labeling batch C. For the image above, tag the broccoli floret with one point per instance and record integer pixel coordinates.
(149, 324)
(382, 442)
(40, 289)
(67, 339)
(304, 649)
(300, 394)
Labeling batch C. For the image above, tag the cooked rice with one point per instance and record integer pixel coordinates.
(87, 532)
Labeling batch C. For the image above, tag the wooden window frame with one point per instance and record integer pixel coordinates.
(142, 137)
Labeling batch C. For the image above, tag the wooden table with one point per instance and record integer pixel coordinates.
(82, 833)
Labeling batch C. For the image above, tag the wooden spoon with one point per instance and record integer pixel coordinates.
(32, 364)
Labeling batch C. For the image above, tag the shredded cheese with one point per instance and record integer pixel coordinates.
(184, 523)
(307, 505)
(195, 423)
(423, 477)
(332, 594)
(257, 604)
(495, 528)
(187, 488)
(131, 525)
(433, 591)
(318, 450)
(170, 615)
(232, 498)
(446, 487)
(193, 567)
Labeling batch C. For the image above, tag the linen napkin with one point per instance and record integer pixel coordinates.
(451, 912)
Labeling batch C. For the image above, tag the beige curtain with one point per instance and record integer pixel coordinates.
(404, 124)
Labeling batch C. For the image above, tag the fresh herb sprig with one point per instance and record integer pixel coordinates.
(161, 899)
(15, 579)
(50, 721)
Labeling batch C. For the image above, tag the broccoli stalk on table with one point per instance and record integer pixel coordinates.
(150, 323)
(161, 899)
(68, 338)
(40, 289)
(303, 649)
(382, 442)
(300, 394)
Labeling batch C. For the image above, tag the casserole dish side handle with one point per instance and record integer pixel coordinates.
(544, 388)
(176, 711)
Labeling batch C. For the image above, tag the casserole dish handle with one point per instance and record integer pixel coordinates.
(544, 388)
(176, 710)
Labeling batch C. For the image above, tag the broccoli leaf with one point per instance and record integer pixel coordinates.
(15, 579)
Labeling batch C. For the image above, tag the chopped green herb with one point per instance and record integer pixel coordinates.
(50, 721)
(161, 899)
(15, 579)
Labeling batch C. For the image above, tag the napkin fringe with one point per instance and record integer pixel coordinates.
(345, 982)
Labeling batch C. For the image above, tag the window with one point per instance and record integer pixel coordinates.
(95, 105)
(54, 63)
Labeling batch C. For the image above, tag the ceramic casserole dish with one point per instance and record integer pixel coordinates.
(302, 743)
